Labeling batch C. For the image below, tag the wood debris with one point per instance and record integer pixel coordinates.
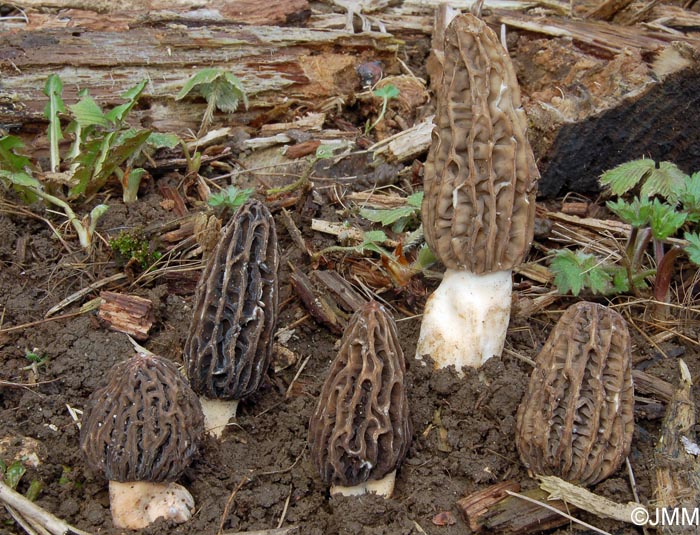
(493, 510)
(129, 314)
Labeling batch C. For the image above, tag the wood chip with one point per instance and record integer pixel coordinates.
(129, 314)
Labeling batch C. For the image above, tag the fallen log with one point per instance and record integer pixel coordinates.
(290, 67)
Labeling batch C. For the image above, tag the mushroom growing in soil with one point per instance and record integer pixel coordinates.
(229, 344)
(479, 204)
(577, 417)
(141, 430)
(361, 431)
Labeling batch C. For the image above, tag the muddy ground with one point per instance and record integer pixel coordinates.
(264, 453)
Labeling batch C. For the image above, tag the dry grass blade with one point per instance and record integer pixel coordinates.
(39, 518)
(553, 509)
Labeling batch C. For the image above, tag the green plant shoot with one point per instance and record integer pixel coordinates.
(398, 217)
(221, 89)
(386, 93)
(230, 197)
(54, 90)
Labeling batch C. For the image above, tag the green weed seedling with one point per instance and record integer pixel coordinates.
(230, 197)
(398, 218)
(386, 93)
(665, 202)
(221, 89)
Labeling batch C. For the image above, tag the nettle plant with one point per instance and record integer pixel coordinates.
(659, 202)
(103, 146)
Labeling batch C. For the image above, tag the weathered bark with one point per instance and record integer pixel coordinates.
(287, 67)
(129, 314)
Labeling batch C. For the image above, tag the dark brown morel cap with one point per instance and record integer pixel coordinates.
(229, 345)
(480, 175)
(577, 417)
(361, 428)
(145, 424)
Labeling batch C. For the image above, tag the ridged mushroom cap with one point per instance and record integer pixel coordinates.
(361, 428)
(577, 417)
(145, 424)
(229, 344)
(480, 175)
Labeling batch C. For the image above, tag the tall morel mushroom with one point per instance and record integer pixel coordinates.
(141, 430)
(229, 345)
(479, 204)
(577, 418)
(360, 431)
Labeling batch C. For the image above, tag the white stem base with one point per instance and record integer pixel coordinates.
(217, 413)
(136, 504)
(466, 319)
(383, 487)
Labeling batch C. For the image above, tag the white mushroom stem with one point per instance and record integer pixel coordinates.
(136, 504)
(217, 413)
(466, 319)
(383, 487)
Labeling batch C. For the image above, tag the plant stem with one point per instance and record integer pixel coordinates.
(664, 272)
(83, 234)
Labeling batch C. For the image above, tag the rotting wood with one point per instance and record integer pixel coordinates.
(82, 12)
(510, 515)
(321, 308)
(407, 144)
(291, 65)
(677, 468)
(645, 383)
(583, 499)
(343, 292)
(478, 503)
(129, 314)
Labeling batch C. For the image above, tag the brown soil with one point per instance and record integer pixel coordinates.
(264, 453)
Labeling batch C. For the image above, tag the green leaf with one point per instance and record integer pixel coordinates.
(637, 213)
(574, 271)
(323, 152)
(415, 199)
(88, 113)
(693, 247)
(118, 113)
(626, 176)
(9, 160)
(54, 90)
(21, 179)
(665, 220)
(664, 181)
(204, 76)
(231, 197)
(387, 92)
(689, 196)
(100, 158)
(388, 216)
(226, 97)
(14, 473)
(158, 140)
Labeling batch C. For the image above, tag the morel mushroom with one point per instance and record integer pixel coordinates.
(577, 417)
(479, 204)
(229, 345)
(141, 430)
(360, 431)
